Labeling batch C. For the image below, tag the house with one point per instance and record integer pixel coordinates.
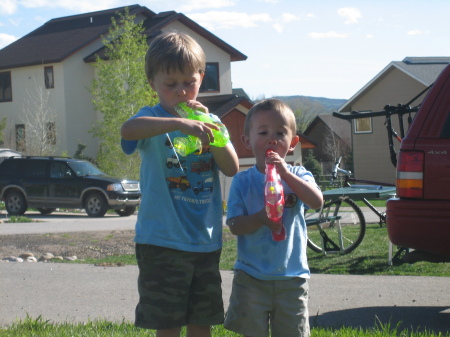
(58, 56)
(333, 138)
(400, 82)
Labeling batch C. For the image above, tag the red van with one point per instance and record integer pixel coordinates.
(419, 216)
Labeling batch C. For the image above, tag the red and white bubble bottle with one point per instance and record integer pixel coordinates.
(274, 199)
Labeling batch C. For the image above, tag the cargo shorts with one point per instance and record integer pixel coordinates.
(177, 288)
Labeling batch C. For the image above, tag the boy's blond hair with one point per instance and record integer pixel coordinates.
(171, 52)
(271, 104)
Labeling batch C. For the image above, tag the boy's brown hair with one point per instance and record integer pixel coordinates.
(271, 104)
(170, 52)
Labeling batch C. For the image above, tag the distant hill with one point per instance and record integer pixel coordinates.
(312, 105)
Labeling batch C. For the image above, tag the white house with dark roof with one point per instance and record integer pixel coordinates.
(400, 82)
(57, 57)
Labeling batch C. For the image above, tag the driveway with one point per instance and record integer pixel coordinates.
(80, 292)
(66, 222)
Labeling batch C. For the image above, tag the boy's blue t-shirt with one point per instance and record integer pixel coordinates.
(181, 205)
(259, 255)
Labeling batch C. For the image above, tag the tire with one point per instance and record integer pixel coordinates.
(127, 211)
(95, 205)
(15, 203)
(45, 211)
(353, 227)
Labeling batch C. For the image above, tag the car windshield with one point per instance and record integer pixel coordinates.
(84, 168)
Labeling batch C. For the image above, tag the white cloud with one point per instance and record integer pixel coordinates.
(6, 39)
(278, 27)
(328, 35)
(287, 17)
(203, 4)
(79, 6)
(8, 7)
(417, 32)
(350, 14)
(216, 19)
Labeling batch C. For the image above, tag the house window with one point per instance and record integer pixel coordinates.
(20, 138)
(48, 77)
(51, 133)
(5, 87)
(210, 81)
(363, 125)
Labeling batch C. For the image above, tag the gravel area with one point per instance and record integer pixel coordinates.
(83, 245)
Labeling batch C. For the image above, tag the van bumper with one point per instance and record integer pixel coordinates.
(419, 224)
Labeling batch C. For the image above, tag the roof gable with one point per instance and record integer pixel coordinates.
(340, 127)
(422, 69)
(59, 38)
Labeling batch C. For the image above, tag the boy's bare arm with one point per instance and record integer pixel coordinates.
(306, 191)
(246, 224)
(226, 159)
(146, 127)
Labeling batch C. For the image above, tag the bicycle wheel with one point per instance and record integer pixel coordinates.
(337, 216)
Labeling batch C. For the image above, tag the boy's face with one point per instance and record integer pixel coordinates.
(176, 87)
(269, 129)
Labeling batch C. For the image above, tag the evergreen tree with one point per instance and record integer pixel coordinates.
(312, 165)
(119, 90)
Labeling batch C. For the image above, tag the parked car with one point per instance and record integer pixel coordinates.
(5, 153)
(47, 183)
(419, 217)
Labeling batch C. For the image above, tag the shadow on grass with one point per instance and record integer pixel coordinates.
(358, 265)
(414, 319)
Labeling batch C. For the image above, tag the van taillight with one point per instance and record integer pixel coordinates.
(410, 174)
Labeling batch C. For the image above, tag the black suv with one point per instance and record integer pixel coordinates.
(47, 183)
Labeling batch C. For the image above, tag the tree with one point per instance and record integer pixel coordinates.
(39, 120)
(2, 128)
(303, 120)
(334, 147)
(119, 90)
(312, 165)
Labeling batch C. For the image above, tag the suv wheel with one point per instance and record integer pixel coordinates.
(15, 203)
(45, 211)
(127, 211)
(95, 205)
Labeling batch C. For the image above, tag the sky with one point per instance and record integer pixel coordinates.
(322, 48)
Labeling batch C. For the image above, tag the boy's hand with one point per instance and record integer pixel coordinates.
(280, 163)
(201, 130)
(197, 106)
(273, 226)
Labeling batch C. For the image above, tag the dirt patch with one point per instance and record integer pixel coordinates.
(83, 245)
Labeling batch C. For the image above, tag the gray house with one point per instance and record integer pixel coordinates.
(400, 82)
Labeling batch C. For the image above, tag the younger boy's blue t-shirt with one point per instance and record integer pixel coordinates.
(258, 254)
(181, 205)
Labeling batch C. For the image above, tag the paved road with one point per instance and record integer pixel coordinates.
(66, 222)
(78, 293)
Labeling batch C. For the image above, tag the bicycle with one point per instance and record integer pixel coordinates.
(340, 225)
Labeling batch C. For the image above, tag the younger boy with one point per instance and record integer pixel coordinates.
(270, 285)
(179, 227)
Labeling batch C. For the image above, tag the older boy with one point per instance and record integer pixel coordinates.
(178, 232)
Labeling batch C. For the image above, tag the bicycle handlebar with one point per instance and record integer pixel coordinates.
(337, 169)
